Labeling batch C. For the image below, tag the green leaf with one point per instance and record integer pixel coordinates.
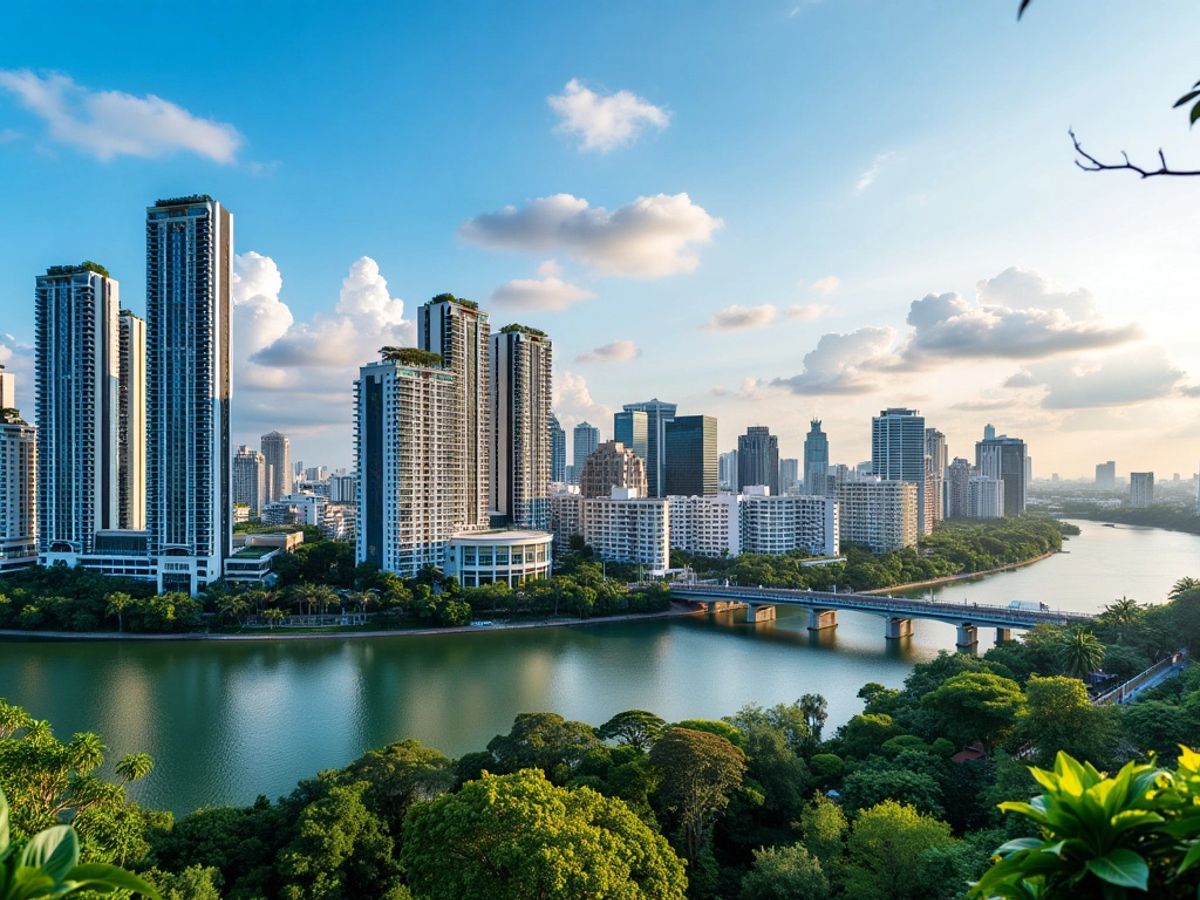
(1190, 95)
(99, 875)
(1121, 867)
(1193, 857)
(54, 851)
(3, 822)
(1195, 113)
(1025, 843)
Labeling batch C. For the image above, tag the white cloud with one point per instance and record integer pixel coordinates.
(259, 318)
(573, 402)
(652, 236)
(826, 285)
(604, 121)
(549, 292)
(845, 364)
(867, 178)
(1018, 289)
(17, 359)
(108, 124)
(750, 391)
(737, 318)
(1118, 379)
(616, 351)
(806, 312)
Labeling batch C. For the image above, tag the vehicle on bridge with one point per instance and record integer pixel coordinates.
(1029, 606)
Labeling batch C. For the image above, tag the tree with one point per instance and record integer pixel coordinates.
(864, 734)
(871, 785)
(1184, 585)
(48, 866)
(785, 873)
(699, 773)
(976, 706)
(1081, 652)
(824, 826)
(510, 837)
(116, 604)
(193, 883)
(399, 775)
(1059, 716)
(543, 741)
(885, 849)
(633, 728)
(816, 711)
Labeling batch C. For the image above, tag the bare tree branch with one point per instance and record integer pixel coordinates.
(1089, 163)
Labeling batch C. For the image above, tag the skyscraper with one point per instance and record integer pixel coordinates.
(1141, 489)
(937, 456)
(277, 449)
(612, 465)
(631, 429)
(1106, 476)
(18, 484)
(131, 431)
(558, 451)
(658, 414)
(8, 389)
(77, 347)
(189, 501)
(758, 459)
(691, 456)
(958, 488)
(1004, 457)
(457, 330)
(898, 454)
(816, 459)
(727, 471)
(789, 475)
(521, 393)
(408, 453)
(250, 480)
(584, 443)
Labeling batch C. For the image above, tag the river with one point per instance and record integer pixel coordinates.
(226, 721)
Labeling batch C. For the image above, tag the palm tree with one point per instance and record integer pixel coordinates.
(815, 712)
(1121, 614)
(118, 602)
(1081, 653)
(1183, 586)
(232, 606)
(274, 615)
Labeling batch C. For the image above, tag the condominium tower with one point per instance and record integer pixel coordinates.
(520, 452)
(277, 451)
(18, 485)
(585, 440)
(937, 459)
(1005, 458)
(131, 423)
(658, 414)
(189, 502)
(612, 465)
(250, 480)
(1141, 489)
(758, 459)
(898, 454)
(558, 451)
(78, 411)
(816, 459)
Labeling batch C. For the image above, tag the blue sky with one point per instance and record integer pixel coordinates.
(810, 170)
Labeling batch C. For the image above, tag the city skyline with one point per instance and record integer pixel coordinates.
(1042, 316)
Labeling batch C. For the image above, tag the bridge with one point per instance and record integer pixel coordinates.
(898, 613)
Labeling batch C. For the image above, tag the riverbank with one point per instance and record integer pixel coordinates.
(280, 634)
(964, 576)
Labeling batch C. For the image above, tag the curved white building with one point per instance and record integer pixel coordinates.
(512, 556)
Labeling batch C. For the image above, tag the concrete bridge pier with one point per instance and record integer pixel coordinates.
(1003, 634)
(968, 636)
(897, 628)
(819, 619)
(715, 606)
(760, 613)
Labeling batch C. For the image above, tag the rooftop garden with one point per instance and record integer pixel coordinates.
(184, 201)
(450, 298)
(410, 356)
(522, 329)
(86, 266)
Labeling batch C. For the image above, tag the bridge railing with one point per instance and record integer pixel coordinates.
(884, 603)
(1127, 689)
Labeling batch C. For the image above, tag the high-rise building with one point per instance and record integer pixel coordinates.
(989, 432)
(619, 527)
(985, 497)
(1141, 489)
(707, 526)
(816, 459)
(1005, 458)
(521, 392)
(558, 451)
(1106, 476)
(584, 443)
(691, 455)
(189, 498)
(18, 487)
(8, 389)
(76, 348)
(727, 471)
(937, 457)
(658, 414)
(458, 332)
(612, 465)
(898, 454)
(789, 476)
(958, 486)
(277, 450)
(408, 451)
(785, 524)
(879, 515)
(631, 428)
(131, 423)
(758, 459)
(250, 480)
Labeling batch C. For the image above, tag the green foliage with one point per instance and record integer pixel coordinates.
(886, 849)
(411, 356)
(543, 741)
(785, 873)
(824, 827)
(193, 883)
(976, 706)
(1082, 653)
(633, 728)
(872, 784)
(522, 329)
(699, 772)
(1059, 716)
(518, 836)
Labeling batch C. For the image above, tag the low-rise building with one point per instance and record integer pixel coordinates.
(512, 556)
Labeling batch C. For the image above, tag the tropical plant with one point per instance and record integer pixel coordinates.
(48, 866)
(1183, 586)
(1102, 836)
(1081, 653)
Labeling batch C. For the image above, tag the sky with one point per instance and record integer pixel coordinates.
(763, 211)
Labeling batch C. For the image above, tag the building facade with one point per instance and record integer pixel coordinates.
(1141, 489)
(816, 459)
(189, 496)
(520, 453)
(558, 451)
(985, 497)
(512, 557)
(1005, 458)
(612, 465)
(631, 428)
(658, 414)
(789, 476)
(584, 441)
(1106, 476)
(131, 423)
(878, 515)
(758, 459)
(958, 488)
(18, 488)
(898, 454)
(78, 411)
(690, 445)
(706, 526)
(250, 480)
(727, 471)
(276, 449)
(804, 522)
(937, 460)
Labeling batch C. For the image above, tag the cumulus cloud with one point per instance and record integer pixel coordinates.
(738, 318)
(867, 178)
(750, 390)
(549, 292)
(651, 237)
(108, 124)
(17, 359)
(845, 363)
(826, 285)
(1018, 289)
(806, 312)
(604, 121)
(573, 402)
(1119, 379)
(616, 351)
(260, 317)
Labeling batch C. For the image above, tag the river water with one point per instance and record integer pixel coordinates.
(226, 721)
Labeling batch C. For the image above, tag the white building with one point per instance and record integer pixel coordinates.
(879, 515)
(706, 525)
(520, 415)
(623, 527)
(131, 423)
(985, 497)
(18, 488)
(783, 524)
(250, 480)
(512, 556)
(1141, 489)
(189, 496)
(342, 488)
